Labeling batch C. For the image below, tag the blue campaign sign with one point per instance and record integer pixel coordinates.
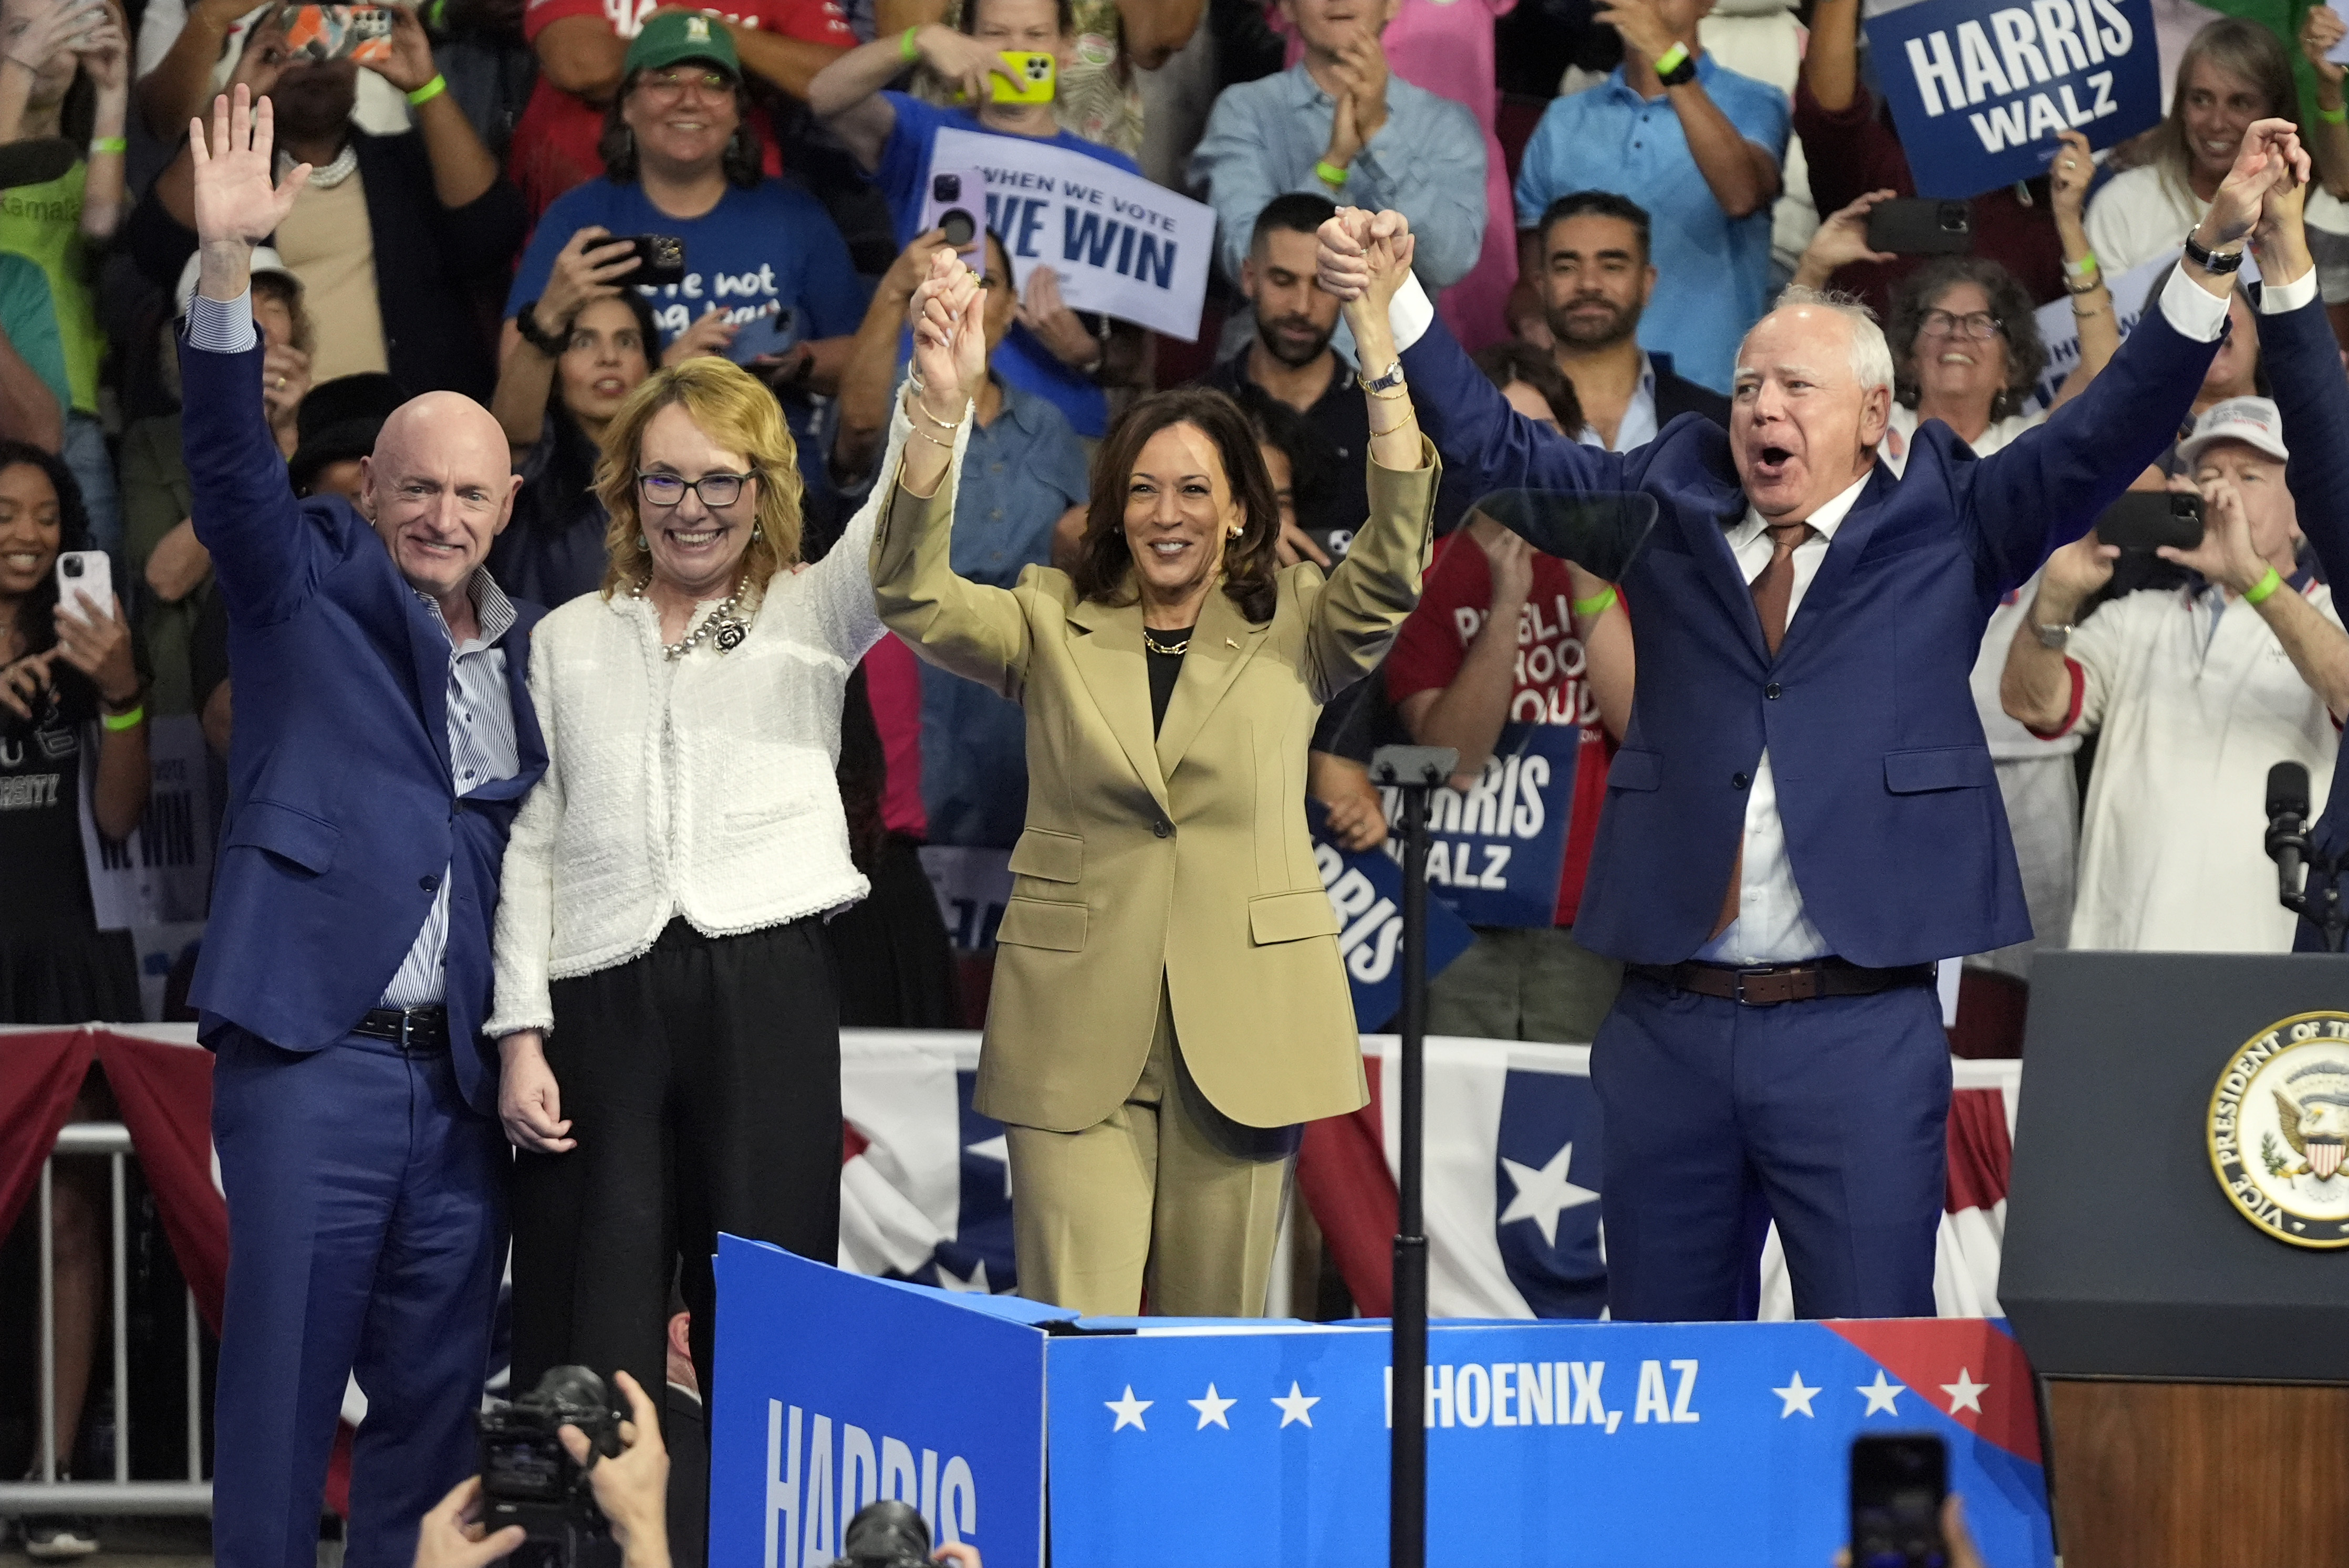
(841, 1390)
(1605, 1445)
(1366, 889)
(1980, 88)
(1497, 848)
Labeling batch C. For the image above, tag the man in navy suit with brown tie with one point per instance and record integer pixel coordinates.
(1804, 815)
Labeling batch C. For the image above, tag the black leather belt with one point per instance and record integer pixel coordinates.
(418, 1030)
(1767, 984)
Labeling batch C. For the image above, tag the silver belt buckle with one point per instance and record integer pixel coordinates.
(1752, 972)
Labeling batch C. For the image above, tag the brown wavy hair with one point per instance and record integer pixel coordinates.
(733, 408)
(1104, 568)
(2241, 48)
(2010, 306)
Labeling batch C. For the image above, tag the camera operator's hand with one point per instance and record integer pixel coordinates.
(633, 1488)
(452, 1537)
(961, 1553)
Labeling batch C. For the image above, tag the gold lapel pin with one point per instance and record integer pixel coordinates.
(1229, 644)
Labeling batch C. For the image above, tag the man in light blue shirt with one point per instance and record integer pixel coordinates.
(1337, 124)
(1698, 146)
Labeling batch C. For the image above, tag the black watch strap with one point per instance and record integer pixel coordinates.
(537, 336)
(1679, 75)
(2211, 260)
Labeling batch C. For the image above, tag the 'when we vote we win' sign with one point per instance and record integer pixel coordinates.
(1978, 89)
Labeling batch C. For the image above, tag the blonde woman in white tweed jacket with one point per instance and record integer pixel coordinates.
(664, 1004)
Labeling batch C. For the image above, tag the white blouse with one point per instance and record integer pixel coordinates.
(702, 786)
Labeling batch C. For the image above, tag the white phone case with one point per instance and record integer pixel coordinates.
(85, 582)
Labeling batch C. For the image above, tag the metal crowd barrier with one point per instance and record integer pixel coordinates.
(46, 1494)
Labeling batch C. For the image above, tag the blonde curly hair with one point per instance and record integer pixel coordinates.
(733, 408)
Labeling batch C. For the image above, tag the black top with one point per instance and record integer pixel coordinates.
(1342, 421)
(551, 551)
(1164, 670)
(41, 810)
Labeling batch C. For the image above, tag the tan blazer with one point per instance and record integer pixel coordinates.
(1186, 856)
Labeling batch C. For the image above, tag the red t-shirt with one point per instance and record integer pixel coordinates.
(554, 141)
(1433, 644)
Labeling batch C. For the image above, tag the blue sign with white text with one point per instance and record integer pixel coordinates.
(1366, 889)
(1978, 89)
(1496, 849)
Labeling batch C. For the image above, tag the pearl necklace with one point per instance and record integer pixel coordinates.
(331, 175)
(730, 631)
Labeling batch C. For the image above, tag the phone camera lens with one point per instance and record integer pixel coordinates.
(73, 566)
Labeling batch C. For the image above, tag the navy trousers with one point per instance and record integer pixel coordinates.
(367, 1233)
(1833, 1113)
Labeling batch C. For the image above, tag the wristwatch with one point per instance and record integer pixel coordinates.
(2054, 637)
(549, 344)
(1384, 384)
(2211, 260)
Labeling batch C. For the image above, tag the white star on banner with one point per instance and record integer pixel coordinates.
(1796, 1398)
(1881, 1395)
(1212, 1409)
(1542, 1193)
(1965, 1394)
(976, 1285)
(1129, 1410)
(1293, 1408)
(998, 1149)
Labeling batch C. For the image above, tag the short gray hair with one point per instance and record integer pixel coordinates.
(1871, 355)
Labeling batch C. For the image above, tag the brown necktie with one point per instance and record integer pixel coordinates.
(1772, 590)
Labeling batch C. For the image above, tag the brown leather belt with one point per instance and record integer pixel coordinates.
(1767, 984)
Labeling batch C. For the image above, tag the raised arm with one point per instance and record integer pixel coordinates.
(245, 511)
(1362, 606)
(977, 632)
(847, 94)
(2304, 369)
(2045, 489)
(871, 372)
(462, 169)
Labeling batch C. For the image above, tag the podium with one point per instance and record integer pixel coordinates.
(2176, 1254)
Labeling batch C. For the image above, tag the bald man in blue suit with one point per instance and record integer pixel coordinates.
(1804, 816)
(384, 739)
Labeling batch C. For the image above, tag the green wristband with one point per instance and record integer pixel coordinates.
(1671, 59)
(1329, 174)
(101, 144)
(429, 91)
(121, 721)
(2332, 116)
(2260, 592)
(1597, 605)
(908, 50)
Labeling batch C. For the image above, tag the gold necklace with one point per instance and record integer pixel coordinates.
(1171, 650)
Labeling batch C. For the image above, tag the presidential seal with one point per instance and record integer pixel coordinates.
(2278, 1127)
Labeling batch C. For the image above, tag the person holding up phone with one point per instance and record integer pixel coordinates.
(2198, 692)
(1051, 351)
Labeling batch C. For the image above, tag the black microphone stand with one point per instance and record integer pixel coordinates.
(1415, 770)
(2327, 914)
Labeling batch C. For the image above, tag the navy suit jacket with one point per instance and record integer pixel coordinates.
(2303, 364)
(342, 815)
(1894, 823)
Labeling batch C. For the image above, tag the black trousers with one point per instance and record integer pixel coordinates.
(702, 1082)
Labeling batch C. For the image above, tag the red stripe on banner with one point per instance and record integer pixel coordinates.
(1968, 1368)
(41, 1070)
(165, 1095)
(1980, 1152)
(1341, 1168)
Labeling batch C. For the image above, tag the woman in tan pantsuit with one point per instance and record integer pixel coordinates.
(1168, 1000)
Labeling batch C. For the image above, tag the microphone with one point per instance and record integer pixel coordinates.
(2287, 841)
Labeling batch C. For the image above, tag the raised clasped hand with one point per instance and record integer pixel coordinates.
(2270, 158)
(949, 337)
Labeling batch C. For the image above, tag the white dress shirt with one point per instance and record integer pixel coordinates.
(1771, 927)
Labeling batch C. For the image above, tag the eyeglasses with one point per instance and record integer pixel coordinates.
(716, 491)
(1977, 323)
(673, 83)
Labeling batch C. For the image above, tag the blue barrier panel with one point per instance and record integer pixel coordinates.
(1179, 1444)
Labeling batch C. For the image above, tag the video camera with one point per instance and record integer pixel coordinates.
(886, 1534)
(529, 1479)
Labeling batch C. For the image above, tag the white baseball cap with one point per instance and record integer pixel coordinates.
(265, 260)
(2254, 421)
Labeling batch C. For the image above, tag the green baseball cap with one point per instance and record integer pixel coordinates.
(669, 37)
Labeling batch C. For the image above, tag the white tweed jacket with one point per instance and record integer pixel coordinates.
(703, 787)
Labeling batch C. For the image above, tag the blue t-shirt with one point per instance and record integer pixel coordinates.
(1712, 270)
(904, 176)
(771, 248)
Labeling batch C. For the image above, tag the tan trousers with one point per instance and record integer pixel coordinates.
(1166, 1196)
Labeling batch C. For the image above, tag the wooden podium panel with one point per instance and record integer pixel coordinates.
(2198, 1475)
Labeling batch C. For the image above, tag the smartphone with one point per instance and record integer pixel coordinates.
(2142, 521)
(86, 583)
(361, 33)
(1032, 74)
(660, 261)
(1898, 1483)
(1918, 226)
(765, 337)
(956, 203)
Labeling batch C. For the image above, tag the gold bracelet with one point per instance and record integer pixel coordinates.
(1410, 416)
(934, 420)
(1403, 391)
(2080, 314)
(941, 445)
